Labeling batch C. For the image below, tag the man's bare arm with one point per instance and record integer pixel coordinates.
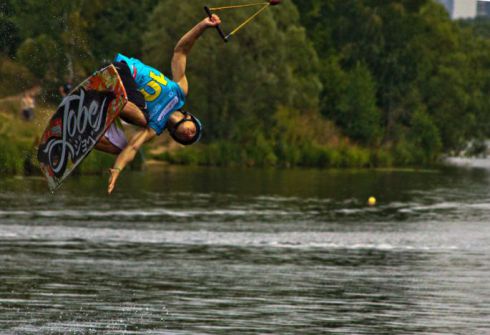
(127, 155)
(183, 48)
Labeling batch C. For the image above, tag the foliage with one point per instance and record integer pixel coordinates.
(12, 156)
(72, 37)
(14, 78)
(9, 33)
(338, 83)
(239, 85)
(394, 42)
(45, 58)
(95, 163)
(114, 17)
(358, 113)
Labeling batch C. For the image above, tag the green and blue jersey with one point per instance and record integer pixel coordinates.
(162, 95)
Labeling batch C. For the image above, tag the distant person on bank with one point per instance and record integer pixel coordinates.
(28, 103)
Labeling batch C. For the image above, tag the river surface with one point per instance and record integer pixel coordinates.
(241, 251)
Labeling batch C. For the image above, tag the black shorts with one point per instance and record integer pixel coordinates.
(28, 114)
(132, 92)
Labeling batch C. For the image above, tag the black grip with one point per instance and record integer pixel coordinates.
(218, 28)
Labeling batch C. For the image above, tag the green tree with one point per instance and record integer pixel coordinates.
(239, 84)
(9, 32)
(40, 55)
(418, 60)
(63, 26)
(425, 136)
(119, 26)
(358, 112)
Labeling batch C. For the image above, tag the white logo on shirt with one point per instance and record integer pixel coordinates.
(169, 108)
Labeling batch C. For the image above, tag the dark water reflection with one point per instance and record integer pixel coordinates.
(224, 251)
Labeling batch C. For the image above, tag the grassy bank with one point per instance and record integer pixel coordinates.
(312, 155)
(19, 140)
(293, 147)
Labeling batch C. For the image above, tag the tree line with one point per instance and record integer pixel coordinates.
(310, 82)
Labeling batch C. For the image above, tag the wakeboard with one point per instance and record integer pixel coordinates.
(80, 121)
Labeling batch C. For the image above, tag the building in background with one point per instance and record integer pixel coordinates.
(460, 9)
(483, 8)
(466, 9)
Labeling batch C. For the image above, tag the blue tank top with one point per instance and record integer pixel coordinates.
(162, 95)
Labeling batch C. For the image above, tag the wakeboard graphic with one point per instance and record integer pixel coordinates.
(78, 124)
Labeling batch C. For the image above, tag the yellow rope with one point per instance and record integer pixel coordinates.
(215, 9)
(248, 20)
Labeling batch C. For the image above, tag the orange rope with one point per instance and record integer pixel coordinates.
(248, 20)
(215, 9)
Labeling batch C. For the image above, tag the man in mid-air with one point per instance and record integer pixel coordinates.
(154, 103)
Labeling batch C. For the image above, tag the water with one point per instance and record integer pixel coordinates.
(231, 251)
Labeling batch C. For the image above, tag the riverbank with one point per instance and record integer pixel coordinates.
(19, 138)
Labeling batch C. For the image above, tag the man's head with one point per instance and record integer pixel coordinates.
(185, 128)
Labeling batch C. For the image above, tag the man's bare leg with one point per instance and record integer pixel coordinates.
(133, 115)
(105, 145)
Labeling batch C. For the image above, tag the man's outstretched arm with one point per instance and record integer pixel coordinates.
(183, 48)
(127, 155)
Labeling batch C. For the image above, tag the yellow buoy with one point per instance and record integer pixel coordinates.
(372, 201)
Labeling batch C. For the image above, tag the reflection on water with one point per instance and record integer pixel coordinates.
(223, 251)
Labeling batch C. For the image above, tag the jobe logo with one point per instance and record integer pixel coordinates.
(83, 119)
